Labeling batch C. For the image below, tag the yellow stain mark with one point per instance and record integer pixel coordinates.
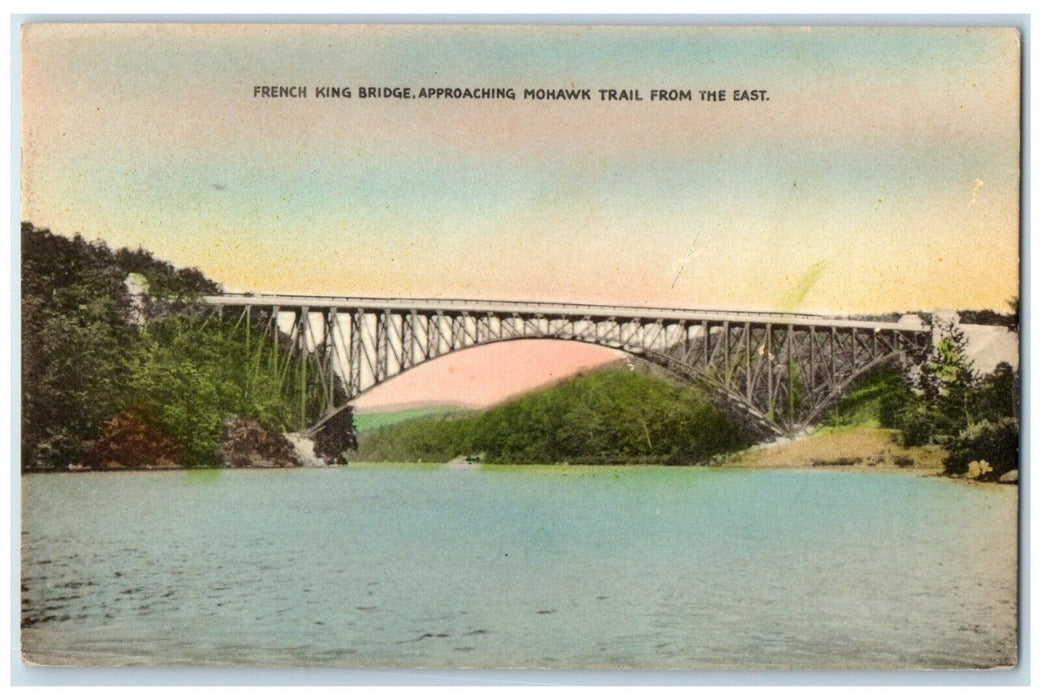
(794, 297)
(976, 187)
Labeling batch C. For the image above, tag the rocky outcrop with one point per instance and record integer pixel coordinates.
(979, 469)
(303, 446)
(245, 443)
(335, 436)
(1009, 477)
(128, 441)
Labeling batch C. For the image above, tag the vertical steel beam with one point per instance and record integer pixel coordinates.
(791, 375)
(248, 313)
(769, 371)
(704, 339)
(428, 349)
(438, 323)
(381, 346)
(834, 369)
(728, 371)
(275, 311)
(748, 362)
(355, 353)
(395, 342)
(303, 319)
(812, 383)
(328, 353)
(412, 338)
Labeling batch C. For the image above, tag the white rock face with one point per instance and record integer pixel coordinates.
(987, 346)
(137, 287)
(304, 448)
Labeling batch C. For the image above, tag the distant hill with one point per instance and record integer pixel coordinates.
(375, 420)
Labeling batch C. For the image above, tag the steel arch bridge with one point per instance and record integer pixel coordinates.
(781, 370)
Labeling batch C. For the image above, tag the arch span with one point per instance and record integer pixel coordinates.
(782, 370)
(488, 374)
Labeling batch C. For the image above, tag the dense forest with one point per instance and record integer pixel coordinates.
(113, 378)
(606, 417)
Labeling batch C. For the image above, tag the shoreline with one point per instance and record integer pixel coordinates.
(863, 449)
(880, 468)
(860, 447)
(846, 449)
(889, 469)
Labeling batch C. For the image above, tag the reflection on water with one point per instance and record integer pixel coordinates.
(685, 568)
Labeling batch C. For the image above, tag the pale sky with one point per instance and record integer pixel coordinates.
(881, 175)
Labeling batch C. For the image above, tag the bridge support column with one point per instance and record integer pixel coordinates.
(354, 381)
(328, 357)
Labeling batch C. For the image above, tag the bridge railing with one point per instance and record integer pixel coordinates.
(479, 306)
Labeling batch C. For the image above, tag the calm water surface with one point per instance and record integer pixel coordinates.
(682, 568)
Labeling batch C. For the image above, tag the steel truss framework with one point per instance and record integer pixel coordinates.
(782, 370)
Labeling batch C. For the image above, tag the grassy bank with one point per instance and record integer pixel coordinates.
(855, 447)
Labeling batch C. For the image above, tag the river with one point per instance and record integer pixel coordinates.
(549, 567)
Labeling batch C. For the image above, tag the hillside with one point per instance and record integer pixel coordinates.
(610, 416)
(121, 367)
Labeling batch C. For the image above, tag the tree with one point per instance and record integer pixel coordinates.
(957, 378)
(998, 394)
(74, 337)
(996, 443)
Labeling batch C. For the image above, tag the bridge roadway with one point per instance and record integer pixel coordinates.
(782, 370)
(552, 309)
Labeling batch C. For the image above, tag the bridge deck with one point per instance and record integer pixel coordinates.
(554, 309)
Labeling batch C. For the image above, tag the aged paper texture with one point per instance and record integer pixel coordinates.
(565, 347)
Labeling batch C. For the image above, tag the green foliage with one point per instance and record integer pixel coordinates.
(182, 372)
(187, 374)
(997, 443)
(896, 398)
(997, 395)
(920, 425)
(165, 282)
(367, 422)
(956, 378)
(948, 402)
(74, 333)
(945, 401)
(885, 398)
(874, 401)
(425, 439)
(190, 373)
(938, 399)
(611, 416)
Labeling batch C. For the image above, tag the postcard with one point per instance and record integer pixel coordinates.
(499, 346)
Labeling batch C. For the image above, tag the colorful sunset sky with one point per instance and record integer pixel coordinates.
(881, 175)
